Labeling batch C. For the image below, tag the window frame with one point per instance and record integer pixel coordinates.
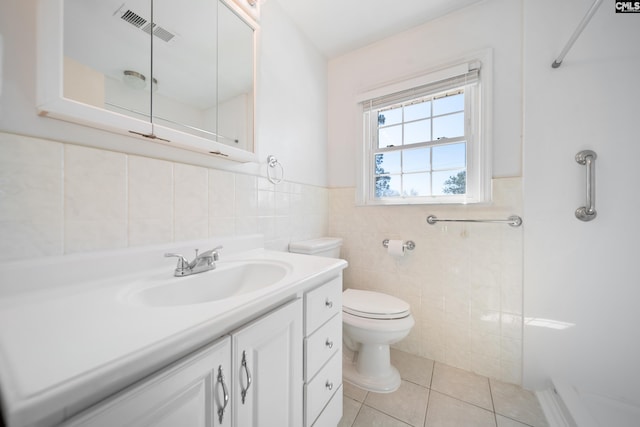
(477, 133)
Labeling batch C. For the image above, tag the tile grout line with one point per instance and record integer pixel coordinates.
(493, 405)
(388, 415)
(433, 371)
(496, 413)
(391, 415)
(463, 401)
(357, 413)
(426, 411)
(427, 385)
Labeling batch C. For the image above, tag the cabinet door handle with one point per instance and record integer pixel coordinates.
(328, 303)
(225, 394)
(329, 343)
(329, 385)
(243, 392)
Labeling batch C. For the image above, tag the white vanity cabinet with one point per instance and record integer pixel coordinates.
(190, 392)
(323, 355)
(249, 378)
(265, 326)
(267, 364)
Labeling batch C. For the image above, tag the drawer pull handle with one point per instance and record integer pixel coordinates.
(243, 392)
(329, 385)
(329, 343)
(225, 393)
(328, 303)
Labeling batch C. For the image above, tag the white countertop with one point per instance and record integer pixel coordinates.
(64, 347)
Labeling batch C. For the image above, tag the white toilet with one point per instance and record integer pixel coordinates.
(371, 321)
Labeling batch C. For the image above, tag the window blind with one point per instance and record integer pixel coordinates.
(468, 78)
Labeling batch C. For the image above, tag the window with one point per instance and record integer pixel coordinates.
(423, 142)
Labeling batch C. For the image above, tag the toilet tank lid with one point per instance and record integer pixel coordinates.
(373, 304)
(313, 246)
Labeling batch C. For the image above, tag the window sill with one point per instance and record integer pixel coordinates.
(452, 200)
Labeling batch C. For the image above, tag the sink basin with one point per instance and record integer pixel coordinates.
(229, 279)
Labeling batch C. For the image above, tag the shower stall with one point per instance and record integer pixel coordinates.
(581, 282)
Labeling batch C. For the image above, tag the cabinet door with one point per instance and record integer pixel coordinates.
(267, 366)
(189, 393)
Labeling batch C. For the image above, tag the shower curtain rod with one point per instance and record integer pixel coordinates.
(576, 33)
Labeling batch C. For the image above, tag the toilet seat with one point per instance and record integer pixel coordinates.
(373, 305)
(382, 326)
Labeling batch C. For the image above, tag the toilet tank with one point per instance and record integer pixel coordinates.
(324, 246)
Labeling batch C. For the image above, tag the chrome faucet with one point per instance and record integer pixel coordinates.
(202, 262)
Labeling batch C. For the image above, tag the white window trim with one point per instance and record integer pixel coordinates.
(479, 161)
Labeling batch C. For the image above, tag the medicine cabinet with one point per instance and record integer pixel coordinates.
(181, 74)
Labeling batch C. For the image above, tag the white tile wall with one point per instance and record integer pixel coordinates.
(190, 201)
(31, 203)
(95, 199)
(463, 281)
(150, 196)
(61, 198)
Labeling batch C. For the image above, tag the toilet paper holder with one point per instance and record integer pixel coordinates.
(408, 245)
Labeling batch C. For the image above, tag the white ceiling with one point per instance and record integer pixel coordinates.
(338, 26)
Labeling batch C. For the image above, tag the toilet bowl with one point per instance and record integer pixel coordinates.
(371, 322)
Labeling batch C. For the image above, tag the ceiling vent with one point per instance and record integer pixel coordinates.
(139, 22)
(158, 31)
(134, 19)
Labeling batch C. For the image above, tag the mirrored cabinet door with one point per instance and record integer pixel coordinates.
(107, 62)
(185, 66)
(181, 74)
(236, 66)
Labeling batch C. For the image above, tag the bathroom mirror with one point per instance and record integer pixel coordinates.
(183, 76)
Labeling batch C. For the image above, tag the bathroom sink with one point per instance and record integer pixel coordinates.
(229, 279)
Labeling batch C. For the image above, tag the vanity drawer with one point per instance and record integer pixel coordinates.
(319, 390)
(332, 413)
(321, 304)
(321, 345)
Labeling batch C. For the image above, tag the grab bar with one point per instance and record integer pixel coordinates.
(513, 220)
(588, 158)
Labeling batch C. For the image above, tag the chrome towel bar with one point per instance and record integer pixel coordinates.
(588, 158)
(513, 220)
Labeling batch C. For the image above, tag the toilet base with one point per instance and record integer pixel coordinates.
(386, 383)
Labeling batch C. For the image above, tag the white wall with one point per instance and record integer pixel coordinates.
(57, 198)
(292, 99)
(493, 24)
(464, 281)
(582, 274)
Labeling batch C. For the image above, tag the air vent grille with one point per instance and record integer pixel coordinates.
(146, 26)
(158, 31)
(162, 34)
(134, 19)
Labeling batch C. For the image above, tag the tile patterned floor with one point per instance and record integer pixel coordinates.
(436, 395)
